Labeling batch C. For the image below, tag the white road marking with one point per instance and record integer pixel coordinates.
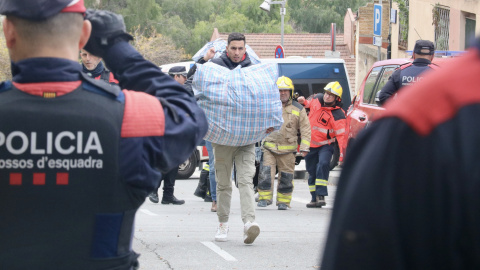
(148, 212)
(300, 200)
(219, 251)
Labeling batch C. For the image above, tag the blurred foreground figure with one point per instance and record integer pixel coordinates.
(408, 193)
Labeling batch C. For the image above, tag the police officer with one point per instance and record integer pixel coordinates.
(327, 120)
(77, 155)
(407, 197)
(410, 73)
(280, 148)
(179, 74)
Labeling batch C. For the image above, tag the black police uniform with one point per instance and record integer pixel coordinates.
(409, 73)
(78, 156)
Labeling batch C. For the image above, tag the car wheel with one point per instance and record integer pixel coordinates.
(335, 156)
(187, 168)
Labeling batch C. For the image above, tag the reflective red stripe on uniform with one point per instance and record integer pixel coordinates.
(38, 89)
(143, 115)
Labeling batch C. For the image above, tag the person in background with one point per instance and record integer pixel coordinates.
(178, 73)
(410, 73)
(93, 66)
(244, 156)
(280, 149)
(86, 151)
(407, 197)
(327, 120)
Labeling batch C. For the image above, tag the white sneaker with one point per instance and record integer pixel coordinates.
(222, 232)
(250, 232)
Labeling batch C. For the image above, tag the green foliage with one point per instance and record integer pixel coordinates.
(189, 24)
(5, 70)
(143, 13)
(316, 16)
(403, 18)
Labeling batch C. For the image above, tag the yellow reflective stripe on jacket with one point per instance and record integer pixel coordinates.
(297, 113)
(321, 182)
(305, 142)
(280, 147)
(206, 167)
(323, 142)
(311, 188)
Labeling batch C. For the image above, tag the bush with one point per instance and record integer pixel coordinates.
(156, 48)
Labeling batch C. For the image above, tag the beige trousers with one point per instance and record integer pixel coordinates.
(244, 158)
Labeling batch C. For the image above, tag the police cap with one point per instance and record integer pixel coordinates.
(178, 70)
(35, 10)
(424, 47)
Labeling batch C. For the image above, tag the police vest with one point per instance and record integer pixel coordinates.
(411, 73)
(61, 196)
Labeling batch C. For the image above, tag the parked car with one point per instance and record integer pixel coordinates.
(365, 105)
(196, 159)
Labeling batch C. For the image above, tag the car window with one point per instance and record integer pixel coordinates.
(370, 84)
(383, 79)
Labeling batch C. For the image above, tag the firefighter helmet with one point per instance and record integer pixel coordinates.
(284, 83)
(334, 88)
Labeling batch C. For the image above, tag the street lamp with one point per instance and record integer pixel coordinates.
(266, 6)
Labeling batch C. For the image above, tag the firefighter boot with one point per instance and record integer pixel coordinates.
(201, 190)
(320, 201)
(313, 202)
(208, 195)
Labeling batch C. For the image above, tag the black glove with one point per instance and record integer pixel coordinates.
(108, 28)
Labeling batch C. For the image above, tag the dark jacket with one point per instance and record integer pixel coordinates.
(403, 76)
(408, 194)
(83, 160)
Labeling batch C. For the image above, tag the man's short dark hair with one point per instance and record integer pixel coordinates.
(236, 36)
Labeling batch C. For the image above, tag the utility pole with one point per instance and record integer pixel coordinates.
(380, 47)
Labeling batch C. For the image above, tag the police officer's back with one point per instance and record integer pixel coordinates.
(410, 73)
(77, 155)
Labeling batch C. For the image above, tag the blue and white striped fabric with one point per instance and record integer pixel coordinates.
(220, 46)
(240, 104)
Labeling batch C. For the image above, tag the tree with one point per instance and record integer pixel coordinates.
(5, 70)
(155, 47)
(316, 16)
(143, 14)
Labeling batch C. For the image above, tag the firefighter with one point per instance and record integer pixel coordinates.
(327, 120)
(81, 153)
(280, 148)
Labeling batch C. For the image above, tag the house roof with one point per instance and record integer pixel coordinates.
(306, 45)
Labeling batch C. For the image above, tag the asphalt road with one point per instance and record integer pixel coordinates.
(182, 236)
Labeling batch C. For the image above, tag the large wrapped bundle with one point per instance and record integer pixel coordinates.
(220, 46)
(240, 104)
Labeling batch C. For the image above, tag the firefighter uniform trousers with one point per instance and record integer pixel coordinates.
(317, 163)
(279, 150)
(285, 163)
